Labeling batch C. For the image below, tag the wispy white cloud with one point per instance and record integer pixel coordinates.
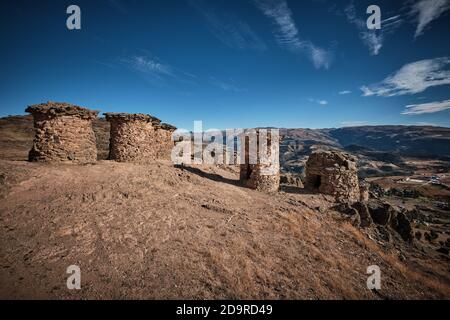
(155, 71)
(287, 33)
(427, 11)
(148, 65)
(431, 107)
(354, 123)
(230, 30)
(318, 101)
(228, 85)
(373, 39)
(412, 78)
(344, 92)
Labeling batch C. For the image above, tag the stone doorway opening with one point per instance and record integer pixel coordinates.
(316, 181)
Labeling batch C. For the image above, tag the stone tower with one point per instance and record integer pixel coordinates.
(165, 145)
(263, 172)
(63, 132)
(139, 138)
(333, 173)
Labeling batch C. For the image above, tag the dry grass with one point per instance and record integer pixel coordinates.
(411, 275)
(160, 232)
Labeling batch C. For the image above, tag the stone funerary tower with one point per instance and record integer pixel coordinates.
(63, 132)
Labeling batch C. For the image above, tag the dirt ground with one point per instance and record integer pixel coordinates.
(160, 232)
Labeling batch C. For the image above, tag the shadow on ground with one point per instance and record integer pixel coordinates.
(210, 176)
(295, 190)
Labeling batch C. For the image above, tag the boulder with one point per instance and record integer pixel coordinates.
(401, 224)
(364, 214)
(381, 212)
(349, 213)
(418, 235)
(291, 180)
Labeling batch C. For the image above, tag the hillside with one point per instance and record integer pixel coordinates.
(161, 231)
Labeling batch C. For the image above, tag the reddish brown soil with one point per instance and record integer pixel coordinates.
(156, 231)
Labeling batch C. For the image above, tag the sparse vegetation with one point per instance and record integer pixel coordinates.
(159, 231)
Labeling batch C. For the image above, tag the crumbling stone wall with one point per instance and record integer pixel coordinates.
(333, 173)
(165, 145)
(139, 138)
(364, 191)
(63, 132)
(261, 175)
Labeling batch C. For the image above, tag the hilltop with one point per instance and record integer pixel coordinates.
(161, 231)
(157, 231)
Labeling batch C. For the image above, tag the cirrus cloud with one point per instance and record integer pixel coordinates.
(428, 11)
(373, 39)
(412, 78)
(229, 29)
(148, 65)
(287, 34)
(156, 72)
(431, 107)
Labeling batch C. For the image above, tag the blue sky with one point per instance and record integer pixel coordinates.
(232, 63)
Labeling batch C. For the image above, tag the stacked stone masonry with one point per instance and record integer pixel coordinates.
(139, 138)
(333, 173)
(63, 132)
(263, 175)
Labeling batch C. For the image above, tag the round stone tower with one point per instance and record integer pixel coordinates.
(333, 173)
(63, 132)
(261, 167)
(139, 138)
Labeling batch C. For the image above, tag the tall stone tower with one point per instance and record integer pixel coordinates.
(261, 167)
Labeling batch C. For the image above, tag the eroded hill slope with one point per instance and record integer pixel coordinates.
(157, 231)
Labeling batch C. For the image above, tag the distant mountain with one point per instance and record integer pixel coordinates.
(380, 149)
(406, 140)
